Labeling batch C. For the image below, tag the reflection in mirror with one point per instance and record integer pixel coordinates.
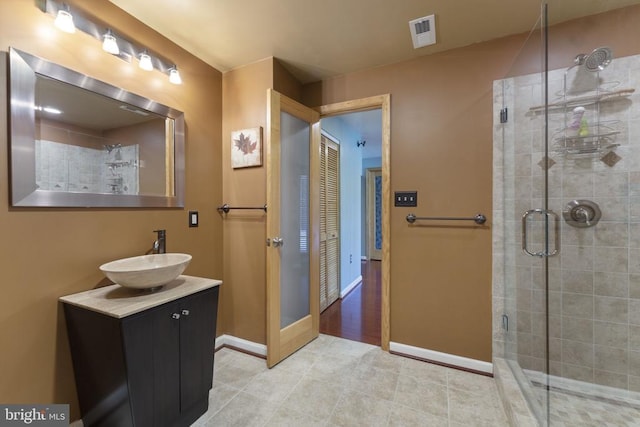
(76, 141)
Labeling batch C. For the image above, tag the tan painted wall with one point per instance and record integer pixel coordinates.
(245, 106)
(441, 146)
(47, 253)
(244, 103)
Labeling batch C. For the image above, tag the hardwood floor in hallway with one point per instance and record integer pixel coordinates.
(357, 316)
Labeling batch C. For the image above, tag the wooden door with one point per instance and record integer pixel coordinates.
(329, 221)
(292, 159)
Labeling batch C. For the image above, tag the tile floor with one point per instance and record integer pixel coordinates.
(570, 410)
(337, 382)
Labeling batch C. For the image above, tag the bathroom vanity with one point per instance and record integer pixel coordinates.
(143, 358)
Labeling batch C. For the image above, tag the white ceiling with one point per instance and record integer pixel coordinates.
(368, 124)
(319, 39)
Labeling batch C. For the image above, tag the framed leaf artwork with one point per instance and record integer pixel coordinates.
(246, 148)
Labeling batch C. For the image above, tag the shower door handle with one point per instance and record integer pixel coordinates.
(525, 243)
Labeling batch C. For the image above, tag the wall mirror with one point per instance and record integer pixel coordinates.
(79, 142)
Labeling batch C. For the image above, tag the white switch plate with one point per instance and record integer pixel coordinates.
(193, 218)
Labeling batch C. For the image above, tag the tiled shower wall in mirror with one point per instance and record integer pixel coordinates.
(66, 167)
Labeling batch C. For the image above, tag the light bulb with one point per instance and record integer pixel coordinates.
(145, 61)
(64, 21)
(174, 76)
(110, 44)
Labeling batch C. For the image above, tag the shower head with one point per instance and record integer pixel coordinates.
(598, 59)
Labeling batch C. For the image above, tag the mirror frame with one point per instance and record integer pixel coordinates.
(23, 71)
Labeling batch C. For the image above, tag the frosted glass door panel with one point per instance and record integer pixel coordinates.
(294, 219)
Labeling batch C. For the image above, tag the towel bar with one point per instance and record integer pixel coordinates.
(478, 219)
(226, 208)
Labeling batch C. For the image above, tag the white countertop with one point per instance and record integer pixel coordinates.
(117, 301)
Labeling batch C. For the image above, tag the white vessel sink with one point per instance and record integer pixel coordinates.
(146, 271)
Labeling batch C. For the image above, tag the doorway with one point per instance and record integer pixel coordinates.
(367, 302)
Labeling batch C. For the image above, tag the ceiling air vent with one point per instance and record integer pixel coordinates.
(423, 31)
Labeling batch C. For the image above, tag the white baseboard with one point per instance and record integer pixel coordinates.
(350, 287)
(445, 358)
(242, 344)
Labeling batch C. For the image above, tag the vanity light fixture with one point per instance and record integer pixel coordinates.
(119, 47)
(64, 20)
(110, 44)
(174, 76)
(145, 61)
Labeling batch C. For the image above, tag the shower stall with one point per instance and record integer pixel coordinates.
(566, 272)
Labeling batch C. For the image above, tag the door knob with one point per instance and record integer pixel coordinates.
(175, 316)
(277, 242)
(185, 312)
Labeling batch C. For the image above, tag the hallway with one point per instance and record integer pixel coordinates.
(357, 316)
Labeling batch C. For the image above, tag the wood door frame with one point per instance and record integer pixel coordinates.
(383, 102)
(371, 211)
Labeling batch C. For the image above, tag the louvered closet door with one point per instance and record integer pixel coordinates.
(329, 222)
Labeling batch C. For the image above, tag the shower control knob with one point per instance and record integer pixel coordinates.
(582, 213)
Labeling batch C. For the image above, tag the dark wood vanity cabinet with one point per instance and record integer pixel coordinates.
(152, 368)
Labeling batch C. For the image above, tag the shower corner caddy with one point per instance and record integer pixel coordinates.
(601, 135)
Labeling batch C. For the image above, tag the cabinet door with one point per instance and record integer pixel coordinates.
(197, 342)
(166, 359)
(152, 345)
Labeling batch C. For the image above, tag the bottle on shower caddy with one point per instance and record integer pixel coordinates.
(584, 127)
(577, 121)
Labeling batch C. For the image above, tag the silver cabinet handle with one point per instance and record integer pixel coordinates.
(525, 243)
(185, 312)
(277, 242)
(175, 316)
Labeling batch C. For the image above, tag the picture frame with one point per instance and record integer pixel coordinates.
(246, 148)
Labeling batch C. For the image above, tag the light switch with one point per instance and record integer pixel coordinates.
(406, 198)
(193, 218)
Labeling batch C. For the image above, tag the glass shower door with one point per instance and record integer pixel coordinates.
(593, 310)
(568, 145)
(526, 180)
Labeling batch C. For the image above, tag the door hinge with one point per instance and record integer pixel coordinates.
(504, 115)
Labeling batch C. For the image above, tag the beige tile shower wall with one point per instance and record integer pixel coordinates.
(594, 282)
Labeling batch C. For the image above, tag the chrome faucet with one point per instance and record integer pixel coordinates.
(160, 245)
